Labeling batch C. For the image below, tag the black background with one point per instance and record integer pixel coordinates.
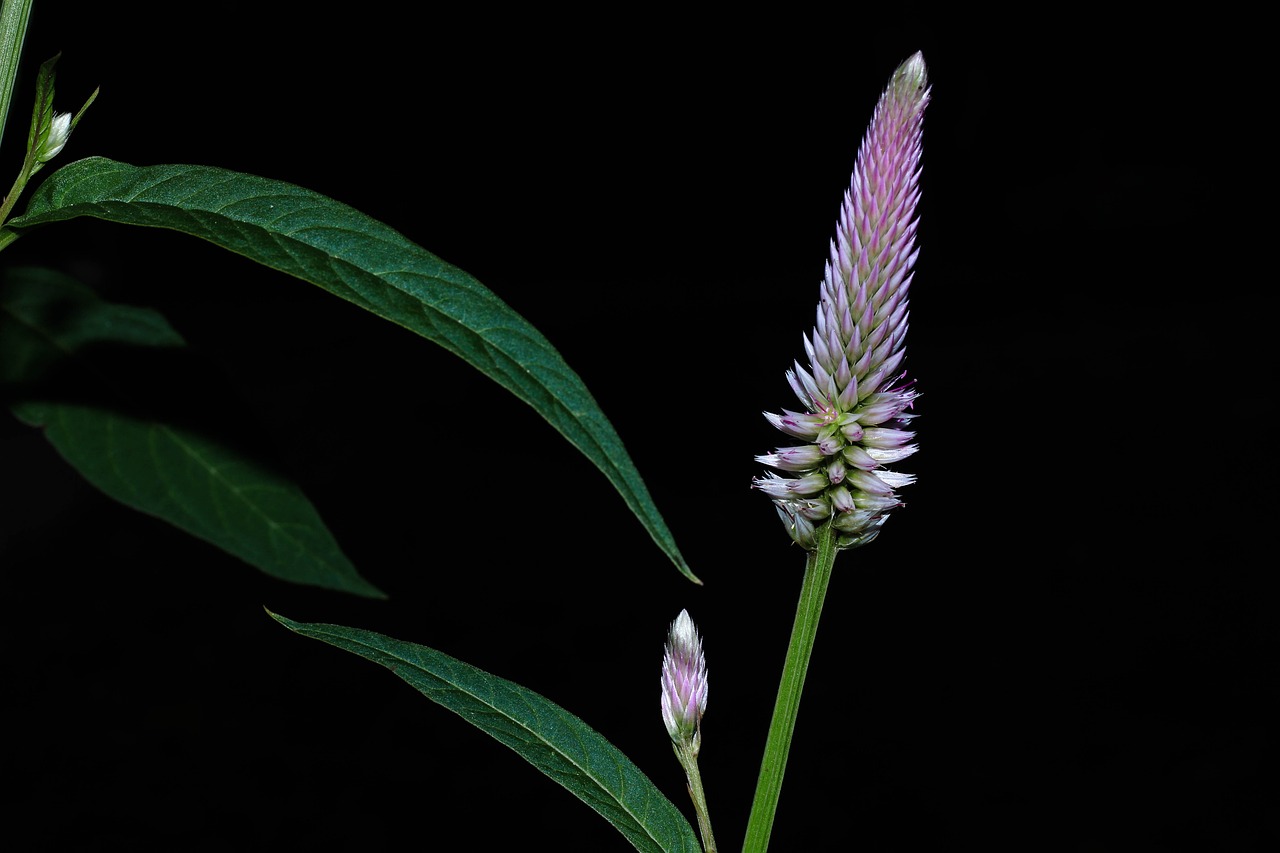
(1063, 642)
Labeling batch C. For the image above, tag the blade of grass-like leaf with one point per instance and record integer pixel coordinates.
(547, 736)
(329, 244)
(60, 350)
(14, 17)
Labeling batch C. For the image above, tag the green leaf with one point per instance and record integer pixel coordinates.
(547, 736)
(66, 358)
(329, 244)
(14, 17)
(42, 113)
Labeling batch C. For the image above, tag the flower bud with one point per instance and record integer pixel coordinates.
(684, 683)
(59, 132)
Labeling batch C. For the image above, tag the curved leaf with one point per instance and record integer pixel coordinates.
(547, 736)
(55, 331)
(319, 240)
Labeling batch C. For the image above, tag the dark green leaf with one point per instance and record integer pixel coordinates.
(329, 244)
(544, 734)
(61, 350)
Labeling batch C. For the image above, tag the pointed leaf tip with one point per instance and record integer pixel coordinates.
(317, 239)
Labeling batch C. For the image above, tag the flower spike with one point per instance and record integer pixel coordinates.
(684, 701)
(684, 683)
(854, 390)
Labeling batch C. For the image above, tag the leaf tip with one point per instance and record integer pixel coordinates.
(288, 623)
(687, 572)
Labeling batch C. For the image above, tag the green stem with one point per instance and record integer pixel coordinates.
(11, 197)
(817, 576)
(688, 758)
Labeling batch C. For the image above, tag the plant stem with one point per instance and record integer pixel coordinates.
(817, 576)
(688, 758)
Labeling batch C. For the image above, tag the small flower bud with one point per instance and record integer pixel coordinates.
(799, 458)
(59, 132)
(684, 683)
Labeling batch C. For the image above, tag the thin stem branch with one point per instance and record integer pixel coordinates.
(813, 591)
(688, 758)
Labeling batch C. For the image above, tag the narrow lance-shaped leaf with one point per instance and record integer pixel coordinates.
(329, 244)
(61, 347)
(547, 736)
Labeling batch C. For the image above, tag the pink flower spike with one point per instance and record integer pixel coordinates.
(854, 388)
(684, 683)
